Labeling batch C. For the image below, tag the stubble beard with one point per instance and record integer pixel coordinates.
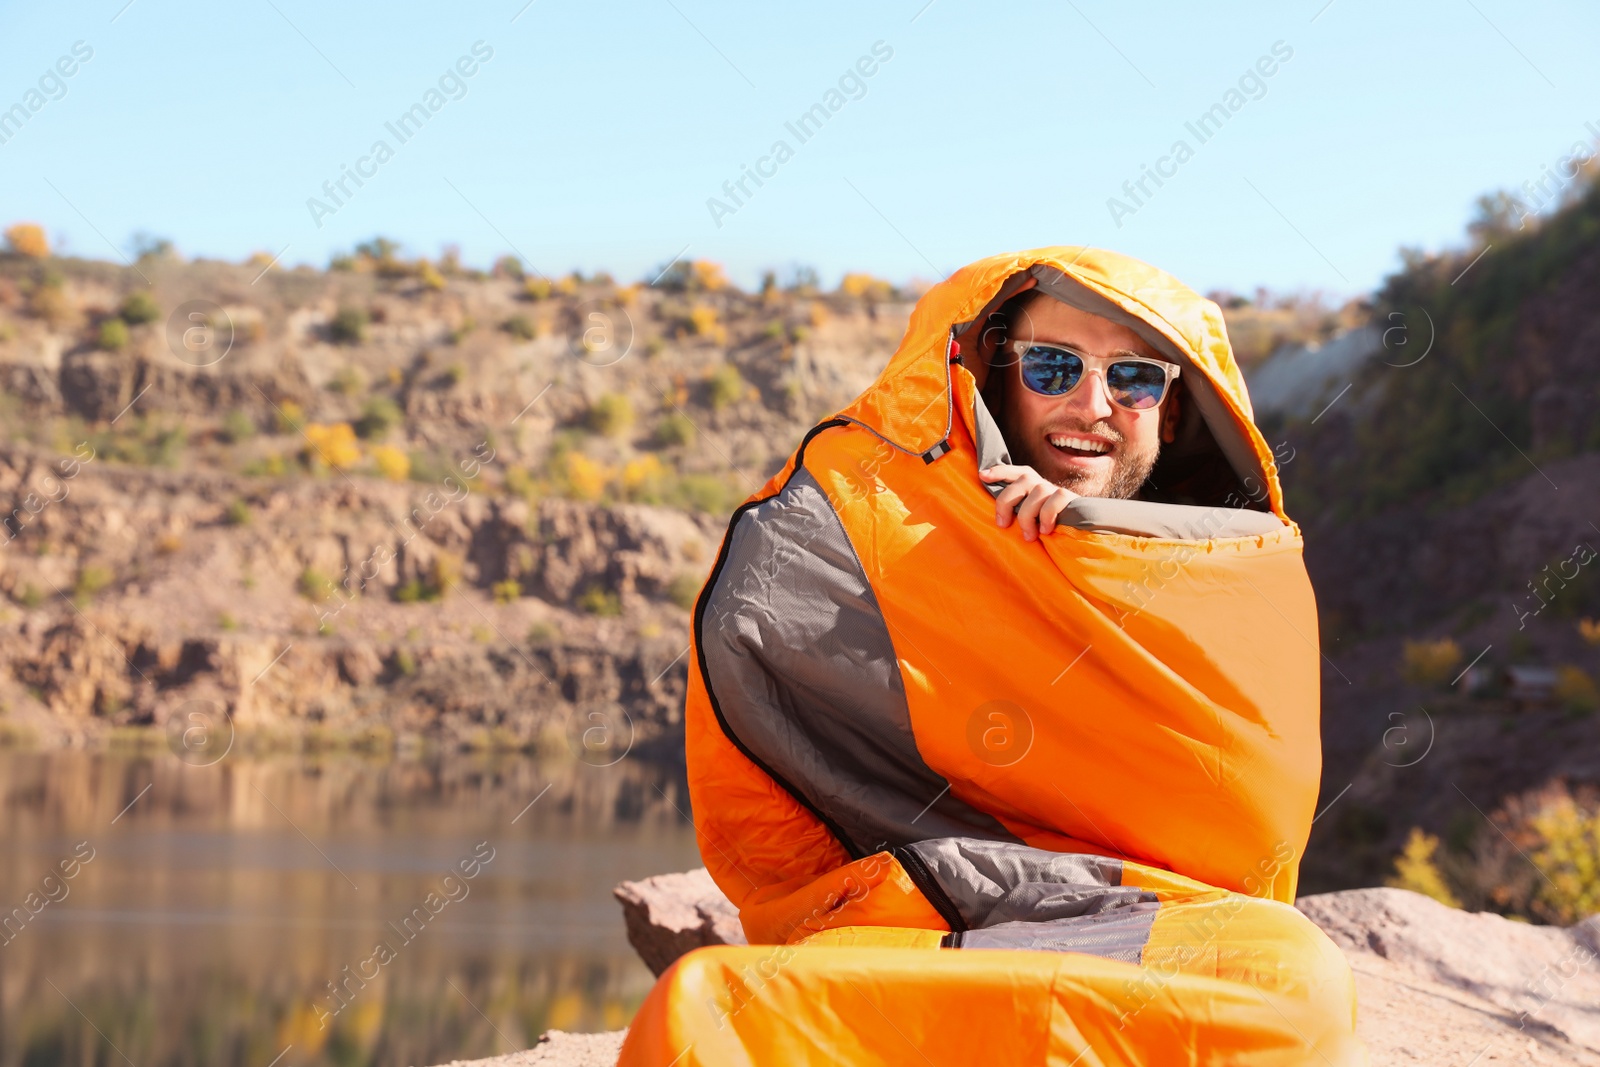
(1128, 473)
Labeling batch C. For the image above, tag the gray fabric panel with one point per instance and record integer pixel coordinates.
(991, 442)
(1116, 935)
(1176, 522)
(996, 882)
(1142, 518)
(804, 672)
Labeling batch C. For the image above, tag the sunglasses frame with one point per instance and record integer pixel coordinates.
(1171, 370)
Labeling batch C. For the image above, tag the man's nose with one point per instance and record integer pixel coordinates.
(1089, 400)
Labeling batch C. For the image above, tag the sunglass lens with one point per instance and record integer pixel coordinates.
(1136, 385)
(1051, 371)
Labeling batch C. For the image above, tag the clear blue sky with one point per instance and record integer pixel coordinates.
(596, 133)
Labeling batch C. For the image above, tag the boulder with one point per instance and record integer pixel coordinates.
(1439, 985)
(670, 914)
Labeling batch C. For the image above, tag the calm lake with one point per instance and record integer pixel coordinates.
(303, 910)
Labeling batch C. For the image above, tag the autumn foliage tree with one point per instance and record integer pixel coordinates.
(28, 239)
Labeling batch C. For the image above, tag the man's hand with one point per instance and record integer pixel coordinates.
(1034, 502)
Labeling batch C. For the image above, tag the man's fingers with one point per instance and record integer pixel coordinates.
(1028, 513)
(1052, 508)
(1005, 502)
(1002, 471)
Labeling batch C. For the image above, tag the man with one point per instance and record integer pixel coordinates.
(983, 798)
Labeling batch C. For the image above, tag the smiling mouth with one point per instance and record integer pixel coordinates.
(1079, 446)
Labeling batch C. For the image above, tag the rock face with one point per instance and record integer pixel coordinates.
(1435, 985)
(189, 587)
(671, 914)
(483, 561)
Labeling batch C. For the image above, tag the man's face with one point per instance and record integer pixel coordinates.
(1062, 437)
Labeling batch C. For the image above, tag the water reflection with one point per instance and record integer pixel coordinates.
(158, 913)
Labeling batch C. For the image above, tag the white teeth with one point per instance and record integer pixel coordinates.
(1082, 443)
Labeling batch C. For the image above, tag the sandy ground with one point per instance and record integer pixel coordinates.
(559, 1049)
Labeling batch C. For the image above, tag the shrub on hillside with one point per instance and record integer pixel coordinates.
(674, 429)
(237, 427)
(1430, 663)
(1576, 690)
(314, 585)
(140, 308)
(347, 381)
(708, 493)
(707, 275)
(703, 322)
(391, 462)
(611, 415)
(91, 580)
(445, 574)
(866, 287)
(379, 415)
(113, 335)
(519, 326)
(642, 478)
(331, 445)
(1568, 856)
(684, 589)
(724, 386)
(582, 478)
(597, 600)
(1537, 857)
(288, 416)
(348, 326)
(1415, 869)
(701, 275)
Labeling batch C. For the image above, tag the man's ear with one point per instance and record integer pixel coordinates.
(1171, 410)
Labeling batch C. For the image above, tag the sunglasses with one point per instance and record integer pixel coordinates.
(1131, 382)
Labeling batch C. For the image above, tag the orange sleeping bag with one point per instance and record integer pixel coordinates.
(982, 800)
